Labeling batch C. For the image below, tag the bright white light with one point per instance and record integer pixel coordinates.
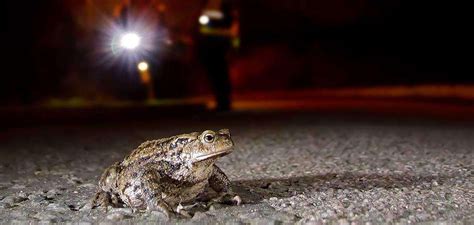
(204, 20)
(130, 41)
(143, 66)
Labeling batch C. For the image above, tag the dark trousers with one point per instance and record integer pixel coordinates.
(212, 54)
(218, 72)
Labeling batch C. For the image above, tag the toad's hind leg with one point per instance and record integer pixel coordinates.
(106, 195)
(146, 192)
(108, 180)
(103, 199)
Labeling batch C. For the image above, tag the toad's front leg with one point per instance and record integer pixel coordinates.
(221, 184)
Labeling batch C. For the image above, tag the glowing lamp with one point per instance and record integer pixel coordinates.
(142, 66)
(130, 41)
(204, 20)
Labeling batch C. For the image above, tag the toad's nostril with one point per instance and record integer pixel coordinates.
(225, 132)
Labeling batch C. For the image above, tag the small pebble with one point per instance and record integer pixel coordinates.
(199, 215)
(86, 207)
(13, 199)
(35, 197)
(158, 215)
(18, 186)
(117, 216)
(23, 194)
(448, 196)
(4, 205)
(46, 217)
(84, 223)
(88, 185)
(122, 210)
(53, 193)
(57, 207)
(343, 222)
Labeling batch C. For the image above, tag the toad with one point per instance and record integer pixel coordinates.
(166, 173)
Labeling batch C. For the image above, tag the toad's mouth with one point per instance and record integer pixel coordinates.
(204, 156)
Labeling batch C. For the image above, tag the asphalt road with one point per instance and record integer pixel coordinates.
(287, 167)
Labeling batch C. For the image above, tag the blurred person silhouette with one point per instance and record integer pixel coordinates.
(218, 27)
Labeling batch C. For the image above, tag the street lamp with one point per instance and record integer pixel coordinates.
(204, 19)
(130, 41)
(142, 66)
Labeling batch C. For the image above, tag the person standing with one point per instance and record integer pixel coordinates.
(218, 26)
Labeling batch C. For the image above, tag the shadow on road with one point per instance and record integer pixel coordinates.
(254, 191)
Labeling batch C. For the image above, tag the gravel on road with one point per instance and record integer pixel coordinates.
(288, 168)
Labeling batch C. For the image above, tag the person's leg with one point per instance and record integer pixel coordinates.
(219, 76)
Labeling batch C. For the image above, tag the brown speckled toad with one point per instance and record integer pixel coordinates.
(163, 174)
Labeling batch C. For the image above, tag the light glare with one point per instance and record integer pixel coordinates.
(130, 41)
(143, 66)
(204, 20)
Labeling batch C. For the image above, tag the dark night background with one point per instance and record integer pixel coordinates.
(343, 111)
(285, 45)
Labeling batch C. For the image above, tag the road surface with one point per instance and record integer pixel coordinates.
(288, 168)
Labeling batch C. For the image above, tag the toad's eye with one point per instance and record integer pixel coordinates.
(209, 138)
